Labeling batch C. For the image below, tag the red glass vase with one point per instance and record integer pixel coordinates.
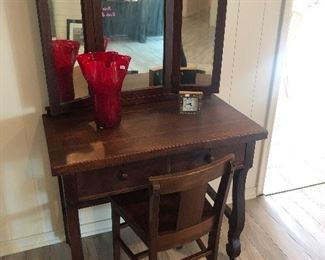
(105, 73)
(65, 54)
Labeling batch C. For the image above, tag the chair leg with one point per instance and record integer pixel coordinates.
(116, 234)
(153, 253)
(213, 243)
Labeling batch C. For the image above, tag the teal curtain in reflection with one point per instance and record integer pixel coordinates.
(135, 19)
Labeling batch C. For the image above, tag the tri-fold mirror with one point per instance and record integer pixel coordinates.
(174, 45)
(198, 41)
(136, 29)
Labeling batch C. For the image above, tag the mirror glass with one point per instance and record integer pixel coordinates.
(136, 28)
(67, 42)
(198, 41)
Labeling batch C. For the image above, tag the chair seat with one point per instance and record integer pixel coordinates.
(134, 209)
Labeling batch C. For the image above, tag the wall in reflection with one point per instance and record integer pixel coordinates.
(60, 12)
(136, 28)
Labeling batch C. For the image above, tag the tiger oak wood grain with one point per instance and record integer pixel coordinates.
(146, 131)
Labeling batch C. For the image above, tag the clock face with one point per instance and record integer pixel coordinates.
(190, 104)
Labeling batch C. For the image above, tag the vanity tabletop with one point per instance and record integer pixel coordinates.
(146, 131)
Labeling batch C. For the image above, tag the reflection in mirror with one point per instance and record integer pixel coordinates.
(136, 28)
(198, 41)
(67, 42)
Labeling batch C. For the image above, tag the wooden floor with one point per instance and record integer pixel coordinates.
(284, 226)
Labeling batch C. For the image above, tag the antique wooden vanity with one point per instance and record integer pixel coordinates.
(153, 138)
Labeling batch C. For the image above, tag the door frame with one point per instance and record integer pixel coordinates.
(275, 83)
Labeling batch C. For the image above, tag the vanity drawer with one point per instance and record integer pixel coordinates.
(134, 176)
(190, 160)
(116, 180)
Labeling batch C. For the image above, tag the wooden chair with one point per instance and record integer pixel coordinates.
(175, 211)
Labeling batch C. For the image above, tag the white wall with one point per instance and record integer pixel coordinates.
(250, 41)
(30, 214)
(213, 12)
(63, 10)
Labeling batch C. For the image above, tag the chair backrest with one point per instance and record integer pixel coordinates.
(191, 188)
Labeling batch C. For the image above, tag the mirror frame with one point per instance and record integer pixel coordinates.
(93, 35)
(55, 106)
(153, 93)
(218, 51)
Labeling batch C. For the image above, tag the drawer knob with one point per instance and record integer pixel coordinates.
(209, 158)
(123, 176)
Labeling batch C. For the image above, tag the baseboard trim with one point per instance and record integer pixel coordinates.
(250, 193)
(53, 237)
(50, 238)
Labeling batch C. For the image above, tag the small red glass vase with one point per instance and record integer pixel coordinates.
(65, 54)
(105, 73)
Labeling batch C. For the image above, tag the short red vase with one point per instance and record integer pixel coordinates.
(105, 73)
(65, 54)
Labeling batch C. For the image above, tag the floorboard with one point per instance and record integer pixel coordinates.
(290, 225)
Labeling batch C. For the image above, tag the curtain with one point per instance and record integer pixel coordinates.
(133, 19)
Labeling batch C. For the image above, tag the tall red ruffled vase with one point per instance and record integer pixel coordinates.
(105, 73)
(65, 54)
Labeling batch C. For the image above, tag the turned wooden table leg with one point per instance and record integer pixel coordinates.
(237, 217)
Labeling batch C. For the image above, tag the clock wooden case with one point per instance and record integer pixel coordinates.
(190, 102)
